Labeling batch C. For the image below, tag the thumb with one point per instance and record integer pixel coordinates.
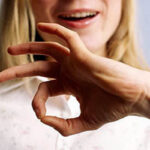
(66, 127)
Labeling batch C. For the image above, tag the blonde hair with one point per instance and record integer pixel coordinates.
(123, 45)
(18, 26)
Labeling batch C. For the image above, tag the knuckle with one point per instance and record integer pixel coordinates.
(65, 133)
(32, 47)
(66, 129)
(57, 30)
(15, 73)
(72, 35)
(56, 26)
(29, 48)
(69, 124)
(35, 104)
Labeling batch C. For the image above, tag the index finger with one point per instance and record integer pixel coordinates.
(73, 40)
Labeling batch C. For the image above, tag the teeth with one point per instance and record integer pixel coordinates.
(79, 15)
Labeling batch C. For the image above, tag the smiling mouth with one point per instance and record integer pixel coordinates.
(78, 16)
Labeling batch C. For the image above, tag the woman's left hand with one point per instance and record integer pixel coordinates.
(107, 90)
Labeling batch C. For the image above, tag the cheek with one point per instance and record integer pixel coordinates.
(41, 9)
(103, 31)
(112, 17)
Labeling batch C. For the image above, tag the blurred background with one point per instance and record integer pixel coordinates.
(143, 28)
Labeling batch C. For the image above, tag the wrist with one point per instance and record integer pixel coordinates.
(141, 108)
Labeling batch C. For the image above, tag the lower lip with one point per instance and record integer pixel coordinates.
(80, 23)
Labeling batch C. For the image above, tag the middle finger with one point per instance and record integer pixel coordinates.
(56, 50)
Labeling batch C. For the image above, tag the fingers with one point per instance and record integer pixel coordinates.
(53, 49)
(45, 90)
(73, 40)
(66, 127)
(40, 68)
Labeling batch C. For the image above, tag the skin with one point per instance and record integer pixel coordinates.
(107, 90)
(100, 31)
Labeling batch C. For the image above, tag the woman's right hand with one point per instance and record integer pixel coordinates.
(106, 89)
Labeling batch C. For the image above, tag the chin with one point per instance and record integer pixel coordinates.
(94, 46)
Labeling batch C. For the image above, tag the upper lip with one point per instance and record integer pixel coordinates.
(69, 12)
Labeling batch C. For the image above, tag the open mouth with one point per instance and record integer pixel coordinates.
(78, 16)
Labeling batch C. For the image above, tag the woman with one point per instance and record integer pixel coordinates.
(106, 89)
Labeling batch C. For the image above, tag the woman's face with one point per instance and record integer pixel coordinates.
(94, 20)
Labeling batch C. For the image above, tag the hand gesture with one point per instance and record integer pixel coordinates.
(107, 90)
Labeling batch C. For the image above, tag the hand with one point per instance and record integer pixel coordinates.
(107, 90)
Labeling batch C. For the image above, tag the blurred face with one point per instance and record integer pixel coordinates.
(94, 20)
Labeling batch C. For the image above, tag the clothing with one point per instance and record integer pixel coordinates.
(21, 130)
